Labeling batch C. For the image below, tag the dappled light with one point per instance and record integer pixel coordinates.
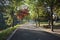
(33, 15)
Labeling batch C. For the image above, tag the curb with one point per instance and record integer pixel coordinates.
(12, 34)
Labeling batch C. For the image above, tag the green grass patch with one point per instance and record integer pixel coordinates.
(5, 33)
(44, 22)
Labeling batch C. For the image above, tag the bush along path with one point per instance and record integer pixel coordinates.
(5, 33)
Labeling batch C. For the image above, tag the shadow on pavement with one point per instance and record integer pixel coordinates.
(55, 26)
(25, 34)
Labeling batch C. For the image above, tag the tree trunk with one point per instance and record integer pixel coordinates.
(52, 16)
(49, 22)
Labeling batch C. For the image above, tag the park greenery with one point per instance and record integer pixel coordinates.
(4, 34)
(11, 13)
(10, 8)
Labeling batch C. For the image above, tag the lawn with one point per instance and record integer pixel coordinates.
(5, 33)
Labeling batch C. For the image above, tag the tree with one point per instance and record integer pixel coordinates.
(35, 5)
(8, 8)
(3, 8)
(53, 4)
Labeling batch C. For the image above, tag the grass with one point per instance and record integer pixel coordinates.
(5, 33)
(44, 22)
(46, 25)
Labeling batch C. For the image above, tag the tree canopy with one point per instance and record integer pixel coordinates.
(9, 9)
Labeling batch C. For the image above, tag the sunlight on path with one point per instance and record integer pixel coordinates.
(31, 26)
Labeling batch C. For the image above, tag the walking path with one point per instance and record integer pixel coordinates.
(29, 32)
(33, 27)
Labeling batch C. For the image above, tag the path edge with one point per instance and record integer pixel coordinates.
(12, 34)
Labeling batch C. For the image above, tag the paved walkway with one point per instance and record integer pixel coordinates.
(29, 32)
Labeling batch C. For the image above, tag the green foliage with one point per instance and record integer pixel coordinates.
(6, 33)
(9, 10)
(35, 7)
(9, 21)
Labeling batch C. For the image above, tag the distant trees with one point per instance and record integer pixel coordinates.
(37, 8)
(8, 9)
